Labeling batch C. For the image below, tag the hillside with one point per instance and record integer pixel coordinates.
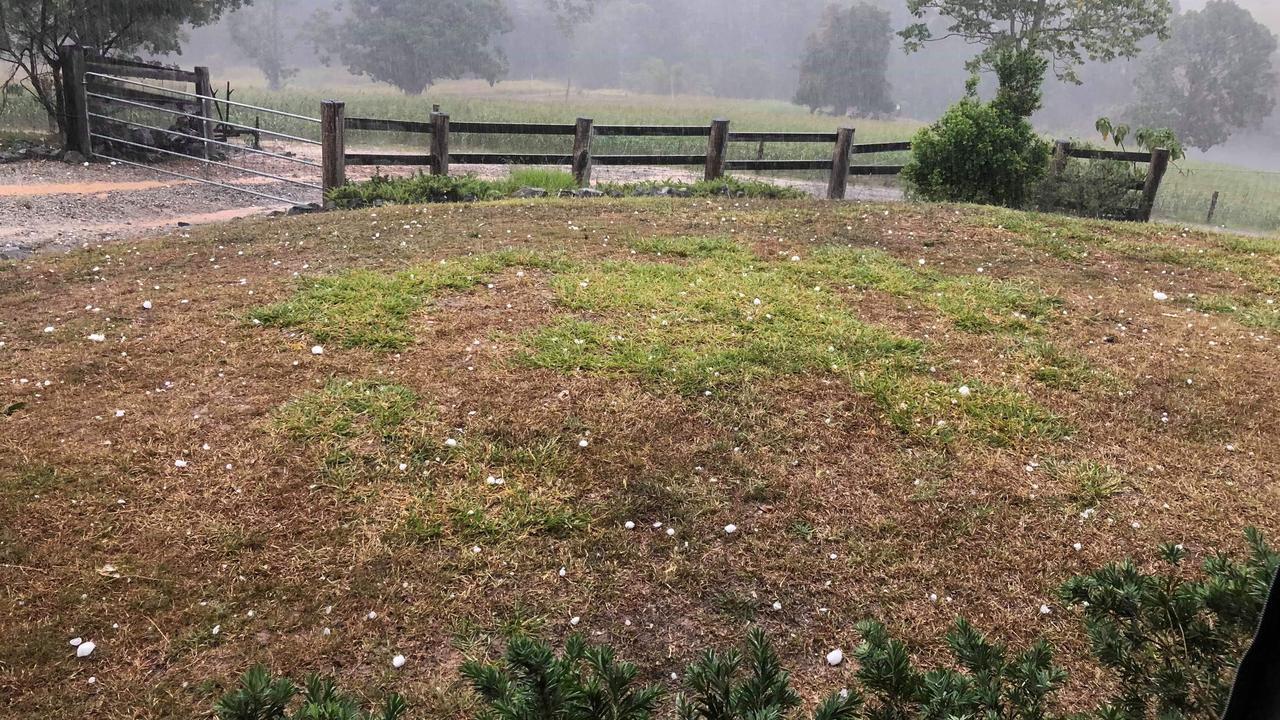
(321, 441)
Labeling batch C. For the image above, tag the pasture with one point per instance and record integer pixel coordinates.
(327, 440)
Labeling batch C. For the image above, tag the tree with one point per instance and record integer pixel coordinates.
(413, 43)
(845, 61)
(256, 31)
(1214, 76)
(1061, 33)
(31, 31)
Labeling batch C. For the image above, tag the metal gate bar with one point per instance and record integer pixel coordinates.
(202, 140)
(211, 162)
(200, 117)
(204, 97)
(202, 180)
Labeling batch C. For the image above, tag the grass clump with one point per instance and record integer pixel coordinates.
(413, 190)
(359, 427)
(423, 188)
(1059, 369)
(973, 303)
(364, 308)
(691, 247)
(727, 186)
(1260, 313)
(1089, 483)
(717, 323)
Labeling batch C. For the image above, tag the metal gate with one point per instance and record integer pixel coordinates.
(117, 116)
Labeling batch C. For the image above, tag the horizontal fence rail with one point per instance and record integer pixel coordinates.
(581, 159)
(1157, 166)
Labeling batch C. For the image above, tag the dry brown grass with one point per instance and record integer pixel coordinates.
(806, 468)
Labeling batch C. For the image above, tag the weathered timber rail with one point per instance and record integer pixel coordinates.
(581, 160)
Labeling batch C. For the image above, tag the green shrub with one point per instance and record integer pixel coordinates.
(977, 153)
(1104, 189)
(263, 697)
(584, 683)
(1173, 642)
(416, 189)
(422, 188)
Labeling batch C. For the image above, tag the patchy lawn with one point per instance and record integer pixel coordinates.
(322, 441)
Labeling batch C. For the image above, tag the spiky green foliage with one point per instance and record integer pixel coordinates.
(583, 683)
(987, 684)
(1173, 642)
(261, 696)
(734, 686)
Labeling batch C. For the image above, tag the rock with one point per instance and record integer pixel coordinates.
(589, 193)
(529, 192)
(183, 223)
(566, 193)
(71, 157)
(305, 209)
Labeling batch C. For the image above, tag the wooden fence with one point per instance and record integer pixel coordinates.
(83, 70)
(580, 159)
(1157, 165)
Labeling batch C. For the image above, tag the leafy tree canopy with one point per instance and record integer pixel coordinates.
(31, 31)
(1214, 76)
(413, 43)
(846, 60)
(1063, 32)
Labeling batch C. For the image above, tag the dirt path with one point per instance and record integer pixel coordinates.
(52, 206)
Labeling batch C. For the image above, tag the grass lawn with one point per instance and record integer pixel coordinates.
(321, 441)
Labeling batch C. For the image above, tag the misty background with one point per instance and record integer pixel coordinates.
(748, 49)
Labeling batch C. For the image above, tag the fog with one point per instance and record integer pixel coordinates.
(746, 49)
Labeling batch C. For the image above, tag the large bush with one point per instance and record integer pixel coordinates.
(1106, 189)
(977, 153)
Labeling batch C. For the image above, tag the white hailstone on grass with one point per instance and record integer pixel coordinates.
(675, 676)
(563, 572)
(730, 529)
(777, 605)
(795, 258)
(1077, 547)
(326, 632)
(583, 443)
(75, 641)
(146, 304)
(575, 620)
(92, 680)
(1045, 610)
(48, 328)
(965, 391)
(1159, 296)
(97, 337)
(835, 657)
(372, 615)
(491, 480)
(397, 661)
(180, 463)
(450, 442)
(85, 649)
(629, 525)
(671, 532)
(317, 350)
(475, 549)
(216, 629)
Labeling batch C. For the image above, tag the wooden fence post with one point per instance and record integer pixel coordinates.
(717, 149)
(1155, 174)
(75, 102)
(1213, 208)
(582, 136)
(204, 88)
(333, 145)
(439, 144)
(1061, 154)
(838, 185)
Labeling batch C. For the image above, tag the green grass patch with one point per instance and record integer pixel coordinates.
(360, 428)
(1259, 313)
(1060, 369)
(691, 247)
(1089, 483)
(716, 324)
(973, 303)
(364, 308)
(422, 188)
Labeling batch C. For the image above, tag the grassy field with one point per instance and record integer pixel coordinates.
(321, 441)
